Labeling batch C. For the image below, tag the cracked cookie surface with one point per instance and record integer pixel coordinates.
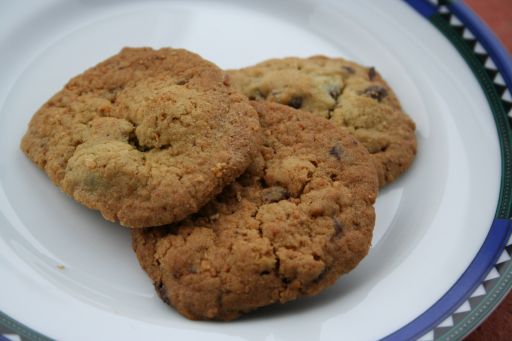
(344, 92)
(145, 137)
(299, 217)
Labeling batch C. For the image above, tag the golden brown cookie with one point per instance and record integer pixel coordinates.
(145, 137)
(296, 220)
(344, 92)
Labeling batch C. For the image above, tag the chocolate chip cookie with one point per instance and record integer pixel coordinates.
(145, 137)
(298, 218)
(344, 92)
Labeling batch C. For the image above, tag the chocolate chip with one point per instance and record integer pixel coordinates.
(274, 194)
(334, 91)
(160, 289)
(295, 102)
(384, 148)
(349, 69)
(277, 265)
(375, 92)
(182, 82)
(372, 73)
(336, 151)
(337, 226)
(322, 275)
(246, 179)
(134, 141)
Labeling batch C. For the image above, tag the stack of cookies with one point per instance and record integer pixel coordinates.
(241, 188)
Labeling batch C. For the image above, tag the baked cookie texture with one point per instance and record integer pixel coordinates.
(145, 137)
(297, 219)
(344, 92)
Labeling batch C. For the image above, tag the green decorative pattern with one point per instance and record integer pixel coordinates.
(24, 332)
(498, 110)
(496, 287)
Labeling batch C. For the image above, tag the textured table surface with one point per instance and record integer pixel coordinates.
(497, 14)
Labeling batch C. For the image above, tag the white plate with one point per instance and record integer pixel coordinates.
(68, 274)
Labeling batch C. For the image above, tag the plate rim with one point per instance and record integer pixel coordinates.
(488, 278)
(465, 31)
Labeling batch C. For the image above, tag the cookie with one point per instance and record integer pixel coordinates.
(344, 92)
(297, 219)
(146, 137)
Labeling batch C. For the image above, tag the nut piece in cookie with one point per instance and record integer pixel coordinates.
(300, 217)
(146, 137)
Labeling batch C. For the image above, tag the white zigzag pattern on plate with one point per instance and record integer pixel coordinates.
(504, 257)
(427, 337)
(465, 307)
(499, 80)
(444, 9)
(480, 291)
(454, 21)
(489, 64)
(466, 34)
(479, 48)
(506, 96)
(448, 322)
(492, 275)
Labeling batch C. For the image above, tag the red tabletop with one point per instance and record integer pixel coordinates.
(497, 14)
